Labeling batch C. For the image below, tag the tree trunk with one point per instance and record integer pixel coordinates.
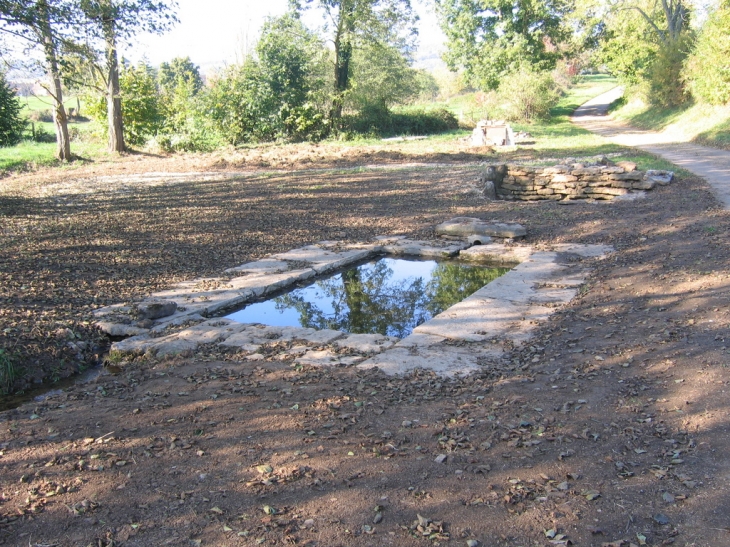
(113, 96)
(343, 56)
(60, 121)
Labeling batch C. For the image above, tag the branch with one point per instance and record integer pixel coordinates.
(662, 34)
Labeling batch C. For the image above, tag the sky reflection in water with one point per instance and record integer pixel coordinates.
(386, 296)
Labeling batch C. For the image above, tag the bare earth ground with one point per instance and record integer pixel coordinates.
(610, 428)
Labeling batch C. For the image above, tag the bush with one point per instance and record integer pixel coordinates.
(527, 95)
(41, 116)
(707, 69)
(141, 109)
(666, 88)
(11, 122)
(39, 133)
(379, 121)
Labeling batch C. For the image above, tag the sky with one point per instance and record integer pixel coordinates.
(214, 33)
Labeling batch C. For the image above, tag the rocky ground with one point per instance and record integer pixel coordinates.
(610, 428)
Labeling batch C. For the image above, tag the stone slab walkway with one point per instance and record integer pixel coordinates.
(709, 163)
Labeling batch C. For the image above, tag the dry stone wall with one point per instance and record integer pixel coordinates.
(570, 181)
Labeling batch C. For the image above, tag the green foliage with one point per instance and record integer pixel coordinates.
(629, 46)
(666, 86)
(142, 108)
(645, 44)
(140, 103)
(707, 69)
(9, 371)
(378, 121)
(354, 24)
(272, 97)
(12, 123)
(382, 76)
(492, 38)
(528, 95)
(181, 72)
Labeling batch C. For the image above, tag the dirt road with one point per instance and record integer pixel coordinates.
(710, 163)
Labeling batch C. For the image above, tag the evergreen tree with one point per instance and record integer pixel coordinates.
(11, 122)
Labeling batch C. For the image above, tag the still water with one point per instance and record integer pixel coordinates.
(388, 296)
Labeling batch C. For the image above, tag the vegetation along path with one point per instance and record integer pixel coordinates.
(709, 163)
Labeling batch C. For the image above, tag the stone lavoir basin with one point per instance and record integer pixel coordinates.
(458, 340)
(388, 296)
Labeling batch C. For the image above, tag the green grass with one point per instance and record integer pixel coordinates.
(558, 137)
(704, 124)
(34, 103)
(9, 371)
(30, 155)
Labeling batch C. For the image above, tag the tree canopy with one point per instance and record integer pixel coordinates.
(489, 39)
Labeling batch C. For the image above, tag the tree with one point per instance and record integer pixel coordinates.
(645, 43)
(273, 95)
(45, 24)
(489, 39)
(708, 67)
(112, 21)
(11, 122)
(352, 23)
(382, 77)
(180, 72)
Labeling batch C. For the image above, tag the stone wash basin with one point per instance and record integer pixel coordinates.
(460, 340)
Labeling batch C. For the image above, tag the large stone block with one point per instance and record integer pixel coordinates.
(466, 226)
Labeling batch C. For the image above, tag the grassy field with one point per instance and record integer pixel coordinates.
(30, 154)
(551, 139)
(700, 123)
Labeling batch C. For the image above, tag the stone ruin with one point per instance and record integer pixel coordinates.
(601, 179)
(492, 133)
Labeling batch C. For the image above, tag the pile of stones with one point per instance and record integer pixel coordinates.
(602, 179)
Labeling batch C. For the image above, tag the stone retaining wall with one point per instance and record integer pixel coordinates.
(603, 180)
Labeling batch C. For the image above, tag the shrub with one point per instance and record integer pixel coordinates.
(11, 122)
(707, 69)
(379, 121)
(666, 87)
(41, 116)
(527, 95)
(9, 371)
(141, 110)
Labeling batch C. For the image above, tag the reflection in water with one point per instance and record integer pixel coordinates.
(388, 296)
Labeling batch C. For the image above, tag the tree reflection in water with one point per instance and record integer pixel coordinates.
(371, 299)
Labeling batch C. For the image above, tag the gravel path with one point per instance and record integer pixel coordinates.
(709, 163)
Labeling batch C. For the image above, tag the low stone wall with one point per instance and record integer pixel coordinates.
(603, 180)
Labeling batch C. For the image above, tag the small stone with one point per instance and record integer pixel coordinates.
(155, 309)
(472, 543)
(661, 519)
(406, 423)
(441, 458)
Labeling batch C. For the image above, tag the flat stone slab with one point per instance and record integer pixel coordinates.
(324, 358)
(443, 359)
(425, 249)
(467, 226)
(496, 253)
(155, 309)
(264, 266)
(120, 329)
(366, 343)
